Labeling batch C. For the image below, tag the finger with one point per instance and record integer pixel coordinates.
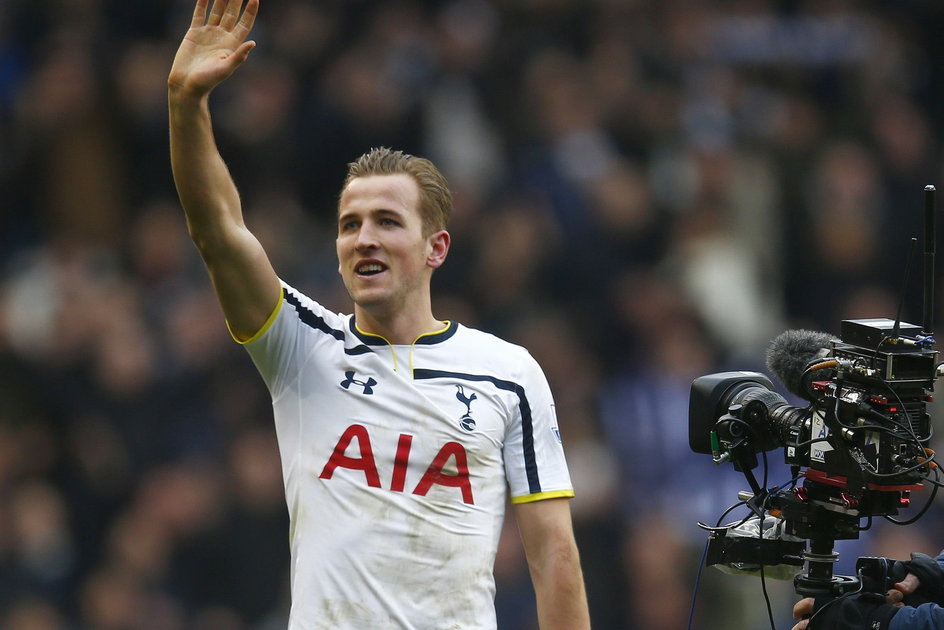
(802, 625)
(199, 14)
(231, 14)
(216, 12)
(909, 584)
(247, 20)
(894, 596)
(803, 607)
(233, 60)
(239, 56)
(242, 53)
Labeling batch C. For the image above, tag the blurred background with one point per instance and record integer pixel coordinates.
(646, 191)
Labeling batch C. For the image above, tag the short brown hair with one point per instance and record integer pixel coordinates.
(435, 197)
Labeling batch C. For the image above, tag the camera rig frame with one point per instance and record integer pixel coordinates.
(860, 447)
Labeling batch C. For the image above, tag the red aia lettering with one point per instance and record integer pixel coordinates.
(434, 473)
(365, 462)
(400, 462)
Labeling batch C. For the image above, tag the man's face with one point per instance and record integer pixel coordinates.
(384, 259)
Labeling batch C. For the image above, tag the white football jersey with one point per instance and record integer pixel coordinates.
(397, 462)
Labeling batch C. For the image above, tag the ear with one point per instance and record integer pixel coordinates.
(438, 248)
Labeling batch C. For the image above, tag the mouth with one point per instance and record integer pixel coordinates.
(371, 268)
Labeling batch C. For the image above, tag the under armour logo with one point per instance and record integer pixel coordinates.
(349, 380)
(466, 422)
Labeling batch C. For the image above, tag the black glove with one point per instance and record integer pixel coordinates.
(931, 578)
(863, 611)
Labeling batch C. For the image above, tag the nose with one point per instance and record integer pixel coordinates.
(366, 238)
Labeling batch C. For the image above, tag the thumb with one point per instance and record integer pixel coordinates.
(242, 53)
(909, 584)
(803, 607)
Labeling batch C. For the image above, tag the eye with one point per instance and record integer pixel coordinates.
(347, 226)
(387, 222)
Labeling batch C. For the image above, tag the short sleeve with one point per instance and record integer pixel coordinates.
(535, 465)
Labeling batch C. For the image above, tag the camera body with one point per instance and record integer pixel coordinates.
(860, 446)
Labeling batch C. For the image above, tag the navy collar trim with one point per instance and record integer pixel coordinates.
(425, 339)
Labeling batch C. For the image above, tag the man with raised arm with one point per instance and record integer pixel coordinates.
(401, 436)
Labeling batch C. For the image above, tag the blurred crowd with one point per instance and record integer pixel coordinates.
(646, 191)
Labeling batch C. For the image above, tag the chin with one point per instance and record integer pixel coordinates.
(372, 301)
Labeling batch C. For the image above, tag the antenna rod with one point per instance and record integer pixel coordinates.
(896, 329)
(928, 259)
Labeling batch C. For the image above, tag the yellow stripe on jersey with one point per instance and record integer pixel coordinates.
(541, 496)
(265, 326)
(370, 334)
(446, 326)
(393, 352)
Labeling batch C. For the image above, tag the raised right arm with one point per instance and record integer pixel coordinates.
(245, 282)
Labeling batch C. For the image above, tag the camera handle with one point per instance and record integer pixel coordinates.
(819, 525)
(819, 581)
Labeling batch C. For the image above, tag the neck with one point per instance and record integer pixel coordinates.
(400, 329)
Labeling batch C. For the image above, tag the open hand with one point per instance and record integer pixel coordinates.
(214, 46)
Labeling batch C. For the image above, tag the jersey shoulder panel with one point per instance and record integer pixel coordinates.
(300, 329)
(534, 458)
(491, 353)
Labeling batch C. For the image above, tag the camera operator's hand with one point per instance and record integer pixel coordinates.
(895, 597)
(855, 612)
(906, 587)
(803, 608)
(925, 581)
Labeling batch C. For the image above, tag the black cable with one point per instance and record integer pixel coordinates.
(916, 441)
(776, 492)
(839, 444)
(927, 506)
(760, 528)
(718, 524)
(901, 472)
(934, 482)
(763, 578)
(701, 565)
(855, 363)
(908, 428)
(757, 439)
(704, 557)
(811, 441)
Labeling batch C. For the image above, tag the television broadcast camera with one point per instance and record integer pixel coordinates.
(860, 447)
